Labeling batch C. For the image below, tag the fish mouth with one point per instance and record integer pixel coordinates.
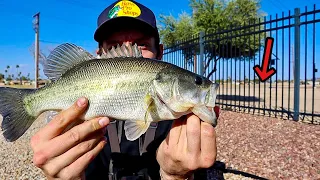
(204, 109)
(210, 98)
(210, 102)
(206, 114)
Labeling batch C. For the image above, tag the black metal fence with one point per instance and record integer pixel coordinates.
(292, 93)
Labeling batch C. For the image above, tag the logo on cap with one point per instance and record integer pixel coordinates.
(124, 8)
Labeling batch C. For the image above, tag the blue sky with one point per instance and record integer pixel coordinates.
(75, 21)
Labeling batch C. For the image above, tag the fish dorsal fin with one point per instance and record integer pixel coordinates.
(122, 51)
(62, 58)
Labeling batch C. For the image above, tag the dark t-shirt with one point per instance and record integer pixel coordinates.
(129, 161)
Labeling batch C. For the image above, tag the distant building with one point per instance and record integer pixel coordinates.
(311, 83)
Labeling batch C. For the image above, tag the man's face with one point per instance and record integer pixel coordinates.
(145, 43)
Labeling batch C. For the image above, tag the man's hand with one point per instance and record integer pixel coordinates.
(190, 145)
(66, 155)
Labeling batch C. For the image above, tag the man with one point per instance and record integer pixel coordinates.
(177, 149)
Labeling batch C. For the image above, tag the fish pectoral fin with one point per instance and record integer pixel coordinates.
(205, 114)
(148, 101)
(150, 107)
(134, 129)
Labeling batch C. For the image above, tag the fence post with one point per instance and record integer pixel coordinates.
(296, 64)
(201, 45)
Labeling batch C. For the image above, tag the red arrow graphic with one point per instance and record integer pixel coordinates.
(265, 72)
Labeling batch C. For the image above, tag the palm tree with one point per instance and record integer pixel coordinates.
(17, 66)
(6, 71)
(8, 67)
(19, 75)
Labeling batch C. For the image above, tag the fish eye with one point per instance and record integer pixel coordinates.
(198, 80)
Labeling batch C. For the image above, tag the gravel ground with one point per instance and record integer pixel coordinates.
(268, 147)
(16, 157)
(252, 147)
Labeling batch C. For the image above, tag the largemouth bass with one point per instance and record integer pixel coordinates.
(121, 85)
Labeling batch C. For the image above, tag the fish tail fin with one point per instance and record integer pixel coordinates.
(16, 119)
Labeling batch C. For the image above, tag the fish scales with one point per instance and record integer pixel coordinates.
(117, 83)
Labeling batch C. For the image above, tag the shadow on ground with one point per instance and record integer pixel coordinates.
(233, 171)
(239, 98)
(218, 169)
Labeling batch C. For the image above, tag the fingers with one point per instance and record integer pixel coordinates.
(174, 134)
(62, 120)
(182, 144)
(208, 145)
(194, 147)
(81, 163)
(54, 166)
(193, 135)
(75, 135)
(64, 142)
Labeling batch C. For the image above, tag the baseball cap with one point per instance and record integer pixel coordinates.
(123, 14)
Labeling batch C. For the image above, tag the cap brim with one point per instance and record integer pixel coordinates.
(116, 24)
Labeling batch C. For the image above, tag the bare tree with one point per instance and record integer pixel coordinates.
(42, 55)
